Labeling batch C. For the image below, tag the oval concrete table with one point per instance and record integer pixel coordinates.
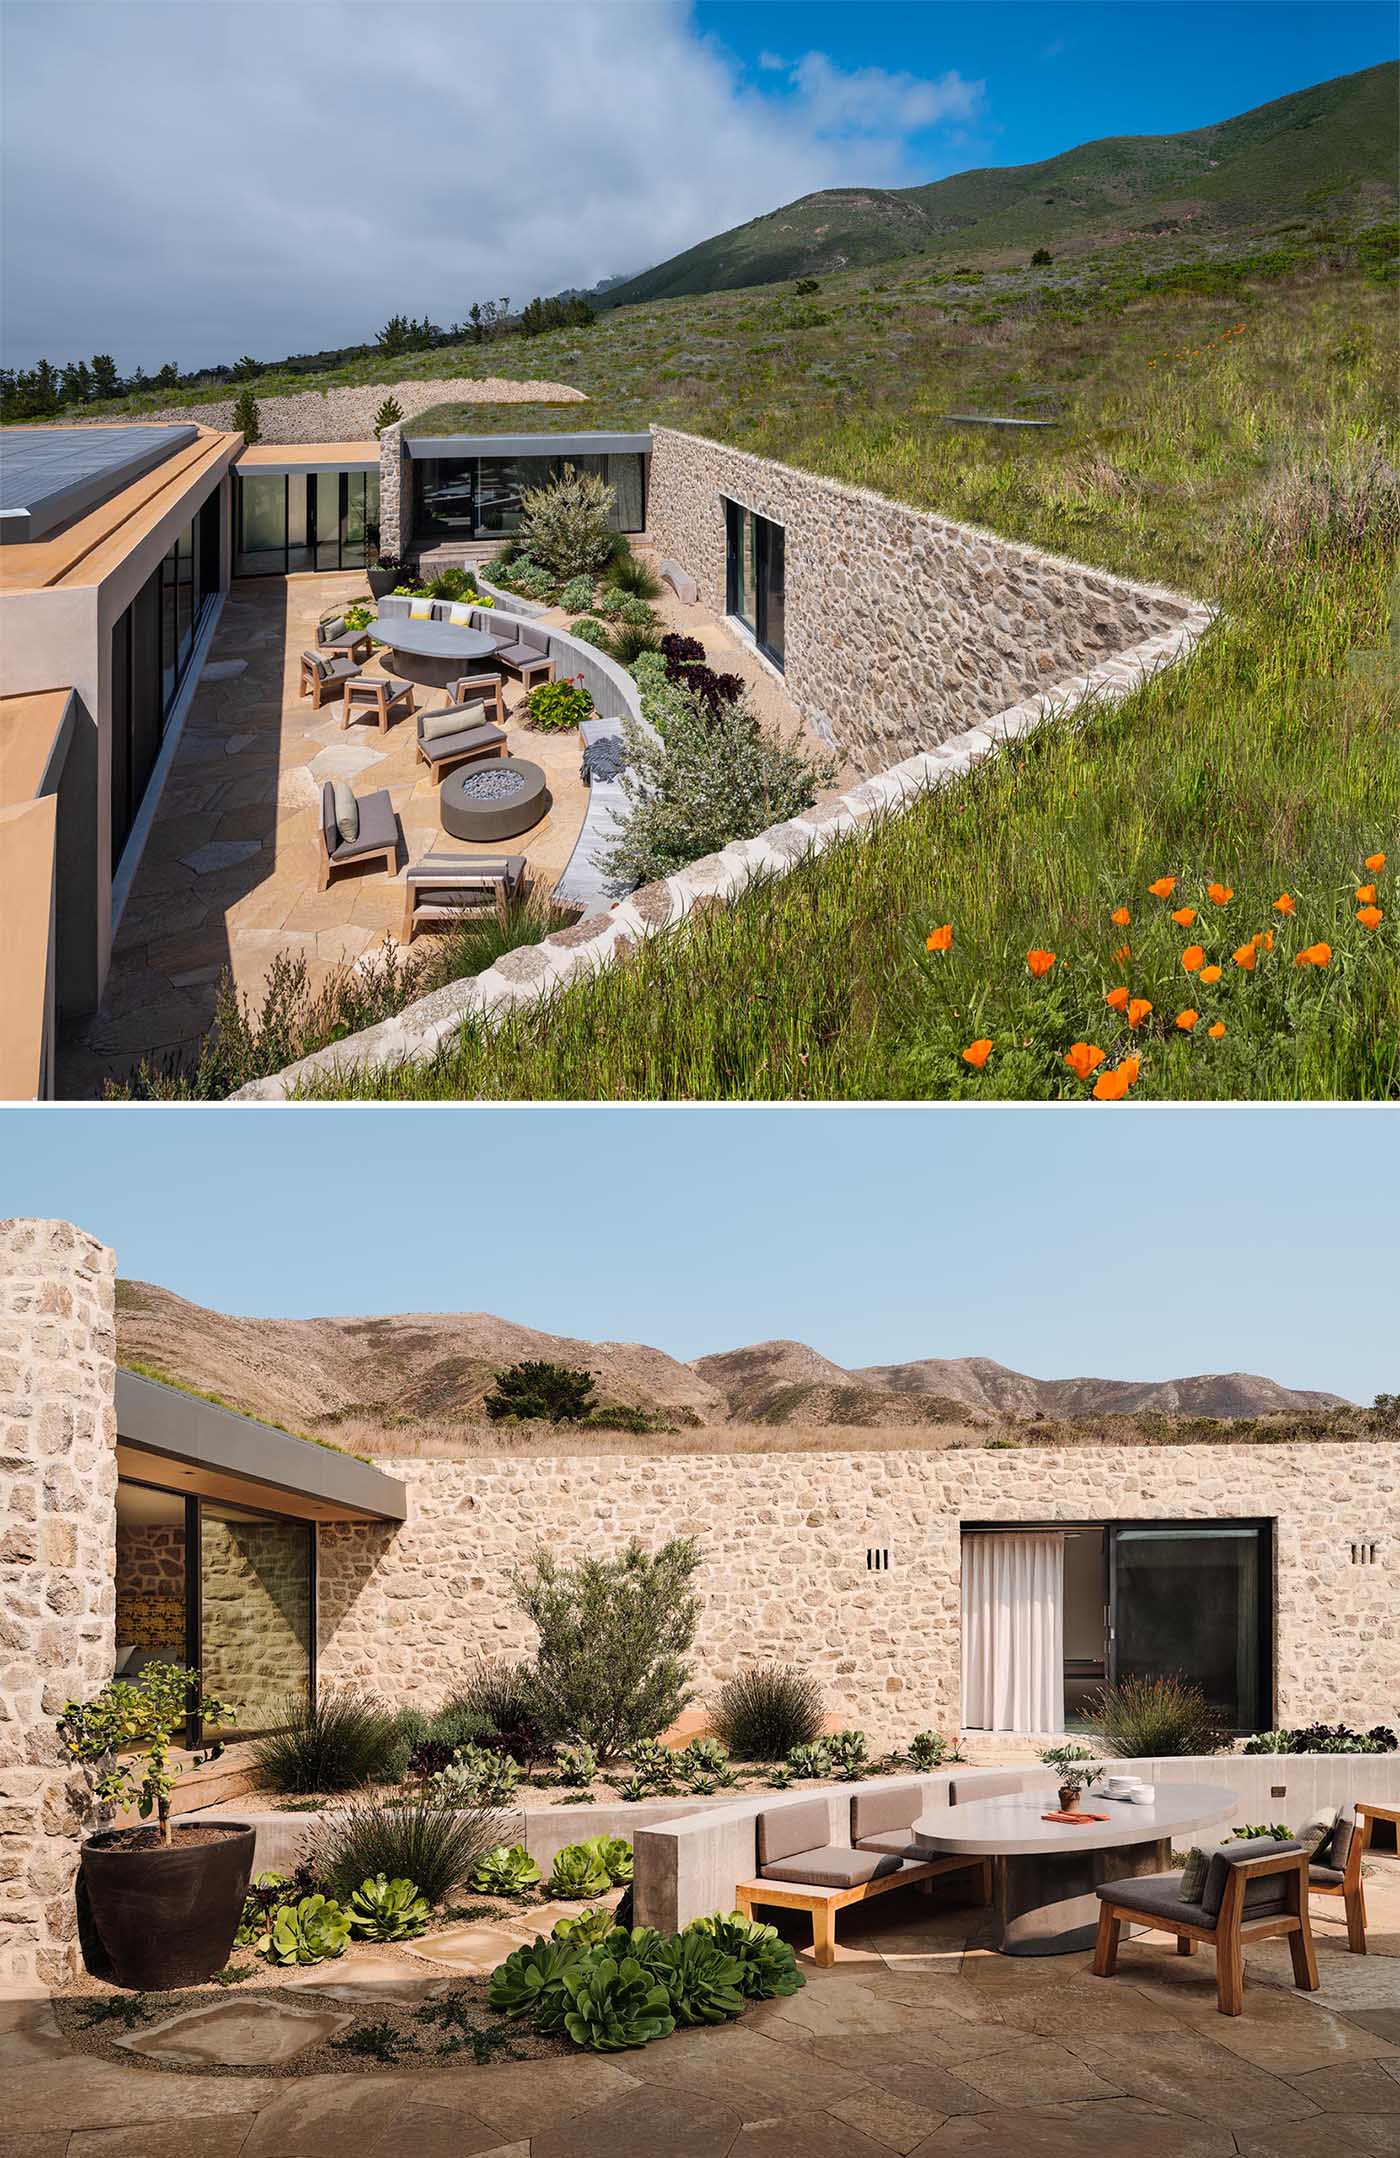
(434, 654)
(1044, 1874)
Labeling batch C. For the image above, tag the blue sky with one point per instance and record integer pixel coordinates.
(1146, 1243)
(196, 179)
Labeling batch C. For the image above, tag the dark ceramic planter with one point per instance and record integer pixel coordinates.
(1069, 1798)
(384, 580)
(167, 1918)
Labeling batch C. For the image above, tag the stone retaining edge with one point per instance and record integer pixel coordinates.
(534, 971)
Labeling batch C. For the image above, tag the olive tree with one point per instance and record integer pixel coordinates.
(615, 1636)
(565, 525)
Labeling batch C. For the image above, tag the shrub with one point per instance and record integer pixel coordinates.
(761, 1714)
(334, 1743)
(577, 595)
(390, 411)
(556, 706)
(460, 584)
(501, 1695)
(614, 1635)
(680, 652)
(531, 1983)
(528, 578)
(614, 2005)
(565, 525)
(246, 419)
(629, 573)
(384, 1910)
(1041, 259)
(717, 776)
(577, 1765)
(589, 630)
(509, 1870)
(629, 640)
(1253, 1831)
(553, 1393)
(311, 1931)
(1147, 1717)
(455, 1724)
(611, 605)
(1324, 1738)
(477, 1776)
(578, 1873)
(416, 1839)
(767, 1965)
(701, 1979)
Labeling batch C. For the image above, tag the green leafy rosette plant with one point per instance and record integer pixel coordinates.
(384, 1910)
(264, 1898)
(850, 1755)
(508, 1870)
(652, 1764)
(813, 1760)
(767, 1964)
(126, 1730)
(477, 1776)
(926, 1749)
(614, 2005)
(701, 1980)
(315, 1930)
(578, 1874)
(591, 1929)
(577, 595)
(613, 1854)
(531, 1983)
(589, 630)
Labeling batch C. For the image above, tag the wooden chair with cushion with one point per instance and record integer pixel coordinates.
(333, 638)
(325, 674)
(458, 734)
(800, 1869)
(480, 689)
(354, 831)
(1335, 1866)
(1254, 1890)
(378, 695)
(445, 887)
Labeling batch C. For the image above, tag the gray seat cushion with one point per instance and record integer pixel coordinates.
(1325, 1877)
(897, 1845)
(835, 1865)
(458, 745)
(520, 655)
(1156, 1895)
(379, 828)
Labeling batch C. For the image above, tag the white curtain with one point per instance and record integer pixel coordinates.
(1013, 1676)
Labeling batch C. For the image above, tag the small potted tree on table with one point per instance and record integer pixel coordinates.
(165, 1901)
(1076, 1768)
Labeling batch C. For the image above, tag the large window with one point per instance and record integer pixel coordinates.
(468, 498)
(755, 577)
(302, 520)
(152, 644)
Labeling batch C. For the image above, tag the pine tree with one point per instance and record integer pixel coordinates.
(245, 416)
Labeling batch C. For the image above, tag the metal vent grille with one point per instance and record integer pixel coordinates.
(877, 1560)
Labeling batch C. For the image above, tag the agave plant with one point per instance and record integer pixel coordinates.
(849, 1755)
(767, 1965)
(652, 1764)
(813, 1760)
(312, 1931)
(614, 2005)
(578, 1874)
(384, 1910)
(926, 1749)
(477, 1777)
(701, 1979)
(632, 1790)
(508, 1870)
(703, 1757)
(531, 1983)
(577, 1765)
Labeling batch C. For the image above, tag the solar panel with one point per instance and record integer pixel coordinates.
(49, 475)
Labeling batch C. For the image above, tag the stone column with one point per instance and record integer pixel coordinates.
(395, 492)
(58, 1493)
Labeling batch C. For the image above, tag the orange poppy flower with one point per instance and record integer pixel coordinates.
(1210, 974)
(940, 940)
(1220, 894)
(1187, 1019)
(1263, 940)
(1132, 1066)
(1039, 962)
(1217, 1030)
(1284, 905)
(1245, 957)
(1112, 1086)
(1117, 998)
(1370, 917)
(1183, 916)
(1138, 1011)
(1375, 861)
(1315, 955)
(1083, 1057)
(976, 1054)
(1165, 886)
(1120, 917)
(1366, 894)
(1124, 951)
(1193, 957)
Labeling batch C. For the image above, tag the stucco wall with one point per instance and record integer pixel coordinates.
(58, 1484)
(785, 1539)
(902, 628)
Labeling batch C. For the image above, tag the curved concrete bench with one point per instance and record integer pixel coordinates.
(680, 581)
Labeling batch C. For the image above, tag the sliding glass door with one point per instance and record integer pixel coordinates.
(756, 577)
(302, 520)
(1191, 1600)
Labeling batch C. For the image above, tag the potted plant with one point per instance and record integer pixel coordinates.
(165, 1901)
(1076, 1768)
(383, 570)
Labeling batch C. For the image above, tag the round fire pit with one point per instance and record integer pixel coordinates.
(494, 799)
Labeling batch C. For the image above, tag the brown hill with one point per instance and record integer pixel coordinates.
(981, 1385)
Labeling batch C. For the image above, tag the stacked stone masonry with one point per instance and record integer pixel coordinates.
(151, 1588)
(785, 1539)
(903, 628)
(58, 1476)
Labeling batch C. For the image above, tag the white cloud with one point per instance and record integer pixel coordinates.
(771, 60)
(194, 181)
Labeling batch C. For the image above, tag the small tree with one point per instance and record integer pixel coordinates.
(106, 382)
(245, 416)
(388, 412)
(565, 526)
(556, 1393)
(126, 1730)
(717, 776)
(615, 1634)
(1041, 259)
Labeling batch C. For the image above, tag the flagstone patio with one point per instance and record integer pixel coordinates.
(920, 2041)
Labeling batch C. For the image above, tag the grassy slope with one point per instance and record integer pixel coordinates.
(1271, 760)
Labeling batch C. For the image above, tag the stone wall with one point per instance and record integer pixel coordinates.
(151, 1587)
(255, 1600)
(395, 492)
(785, 1539)
(903, 628)
(346, 412)
(58, 1477)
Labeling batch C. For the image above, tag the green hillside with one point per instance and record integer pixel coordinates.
(1331, 148)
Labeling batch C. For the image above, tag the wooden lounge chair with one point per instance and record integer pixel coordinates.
(480, 689)
(444, 887)
(334, 638)
(325, 674)
(458, 734)
(1348, 1843)
(378, 833)
(800, 1869)
(1255, 1890)
(377, 694)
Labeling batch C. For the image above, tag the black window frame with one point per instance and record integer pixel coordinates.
(768, 546)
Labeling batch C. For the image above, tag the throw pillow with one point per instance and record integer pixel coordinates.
(460, 613)
(1317, 1834)
(455, 720)
(347, 810)
(1193, 1874)
(1339, 1849)
(420, 610)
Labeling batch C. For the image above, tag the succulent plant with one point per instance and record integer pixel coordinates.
(311, 1931)
(813, 1760)
(508, 1870)
(531, 1983)
(264, 1898)
(653, 1764)
(589, 1930)
(614, 1854)
(632, 1790)
(701, 1979)
(614, 2005)
(477, 1776)
(780, 1778)
(926, 1749)
(384, 1910)
(849, 1754)
(578, 1874)
(767, 1964)
(577, 1765)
